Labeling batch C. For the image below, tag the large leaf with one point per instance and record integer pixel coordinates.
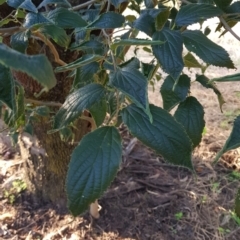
(169, 54)
(173, 95)
(228, 78)
(58, 35)
(6, 87)
(37, 66)
(233, 140)
(191, 115)
(76, 102)
(132, 83)
(84, 60)
(32, 19)
(223, 4)
(98, 111)
(65, 18)
(207, 84)
(193, 13)
(165, 135)
(94, 164)
(84, 75)
(211, 53)
(108, 20)
(161, 19)
(24, 4)
(19, 41)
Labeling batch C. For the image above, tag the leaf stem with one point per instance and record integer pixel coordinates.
(83, 5)
(91, 120)
(228, 28)
(51, 46)
(39, 103)
(11, 30)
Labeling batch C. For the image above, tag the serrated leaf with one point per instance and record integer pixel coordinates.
(146, 22)
(132, 83)
(233, 140)
(91, 47)
(62, 3)
(98, 111)
(131, 63)
(169, 54)
(58, 34)
(84, 75)
(165, 135)
(64, 18)
(172, 97)
(190, 61)
(7, 94)
(190, 114)
(161, 19)
(193, 13)
(228, 78)
(107, 20)
(211, 53)
(76, 102)
(93, 166)
(32, 19)
(84, 60)
(207, 84)
(134, 41)
(36, 66)
(223, 4)
(24, 4)
(19, 41)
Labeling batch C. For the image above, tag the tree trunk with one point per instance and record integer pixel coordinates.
(46, 161)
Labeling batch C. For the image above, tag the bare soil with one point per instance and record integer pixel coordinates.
(149, 199)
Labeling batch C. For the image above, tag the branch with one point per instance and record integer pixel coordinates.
(51, 46)
(227, 27)
(11, 30)
(39, 103)
(83, 5)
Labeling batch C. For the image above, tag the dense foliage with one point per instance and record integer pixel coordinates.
(107, 85)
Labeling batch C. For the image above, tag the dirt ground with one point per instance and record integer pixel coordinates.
(149, 199)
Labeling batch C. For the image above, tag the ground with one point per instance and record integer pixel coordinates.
(149, 199)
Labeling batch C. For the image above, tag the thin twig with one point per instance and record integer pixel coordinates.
(227, 27)
(83, 5)
(11, 30)
(51, 46)
(40, 103)
(91, 120)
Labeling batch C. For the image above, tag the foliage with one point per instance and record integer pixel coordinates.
(108, 85)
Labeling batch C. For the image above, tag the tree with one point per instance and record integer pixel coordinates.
(66, 85)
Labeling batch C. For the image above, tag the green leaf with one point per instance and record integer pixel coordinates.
(233, 140)
(207, 84)
(32, 19)
(108, 20)
(172, 97)
(36, 66)
(85, 74)
(116, 3)
(93, 166)
(161, 19)
(7, 94)
(228, 78)
(2, 2)
(131, 63)
(223, 4)
(62, 3)
(190, 114)
(24, 4)
(134, 41)
(165, 135)
(211, 53)
(169, 54)
(65, 18)
(58, 35)
(86, 59)
(91, 47)
(76, 102)
(132, 83)
(193, 13)
(191, 62)
(98, 111)
(19, 41)
(43, 111)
